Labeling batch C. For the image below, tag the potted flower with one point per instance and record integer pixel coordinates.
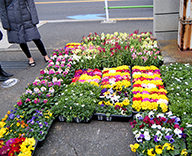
(158, 134)
(115, 95)
(77, 101)
(18, 146)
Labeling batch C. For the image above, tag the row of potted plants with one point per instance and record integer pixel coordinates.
(148, 90)
(159, 132)
(178, 83)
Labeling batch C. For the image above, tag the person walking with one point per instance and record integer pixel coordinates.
(3, 75)
(19, 18)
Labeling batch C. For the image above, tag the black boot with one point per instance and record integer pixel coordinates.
(2, 78)
(4, 74)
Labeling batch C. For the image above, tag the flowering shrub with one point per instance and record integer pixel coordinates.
(158, 134)
(17, 146)
(115, 95)
(148, 89)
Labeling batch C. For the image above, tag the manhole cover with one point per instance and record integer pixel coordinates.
(9, 83)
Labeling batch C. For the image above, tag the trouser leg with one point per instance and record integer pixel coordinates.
(25, 49)
(40, 46)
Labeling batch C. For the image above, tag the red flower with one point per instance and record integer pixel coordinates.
(141, 126)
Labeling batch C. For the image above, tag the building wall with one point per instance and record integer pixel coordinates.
(166, 18)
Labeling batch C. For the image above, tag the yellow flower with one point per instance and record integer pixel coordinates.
(125, 102)
(158, 149)
(144, 105)
(119, 103)
(18, 124)
(169, 147)
(2, 132)
(150, 152)
(2, 124)
(184, 152)
(107, 103)
(8, 112)
(134, 147)
(164, 107)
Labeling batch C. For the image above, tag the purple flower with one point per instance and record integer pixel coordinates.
(168, 136)
(155, 138)
(171, 140)
(142, 136)
(10, 141)
(41, 125)
(104, 90)
(102, 105)
(46, 124)
(11, 116)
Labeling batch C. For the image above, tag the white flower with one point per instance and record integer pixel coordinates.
(178, 132)
(151, 114)
(147, 136)
(168, 130)
(189, 125)
(56, 103)
(81, 94)
(62, 93)
(135, 132)
(169, 113)
(160, 115)
(154, 126)
(82, 105)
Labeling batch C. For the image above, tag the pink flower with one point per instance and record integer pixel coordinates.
(19, 103)
(42, 72)
(27, 100)
(36, 100)
(45, 100)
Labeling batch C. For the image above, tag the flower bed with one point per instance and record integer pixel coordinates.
(17, 146)
(178, 83)
(115, 95)
(158, 134)
(148, 90)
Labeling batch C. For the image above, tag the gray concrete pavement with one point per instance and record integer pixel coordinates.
(98, 138)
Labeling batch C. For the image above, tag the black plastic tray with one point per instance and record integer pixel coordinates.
(104, 117)
(77, 120)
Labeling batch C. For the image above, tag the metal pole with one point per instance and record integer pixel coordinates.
(127, 7)
(106, 10)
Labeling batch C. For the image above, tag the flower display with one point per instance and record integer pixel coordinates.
(158, 134)
(178, 83)
(17, 146)
(94, 77)
(88, 75)
(148, 90)
(133, 49)
(78, 100)
(17, 123)
(115, 95)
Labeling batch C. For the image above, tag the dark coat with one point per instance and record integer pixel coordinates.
(20, 16)
(1, 35)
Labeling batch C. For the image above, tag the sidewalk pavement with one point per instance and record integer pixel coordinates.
(97, 138)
